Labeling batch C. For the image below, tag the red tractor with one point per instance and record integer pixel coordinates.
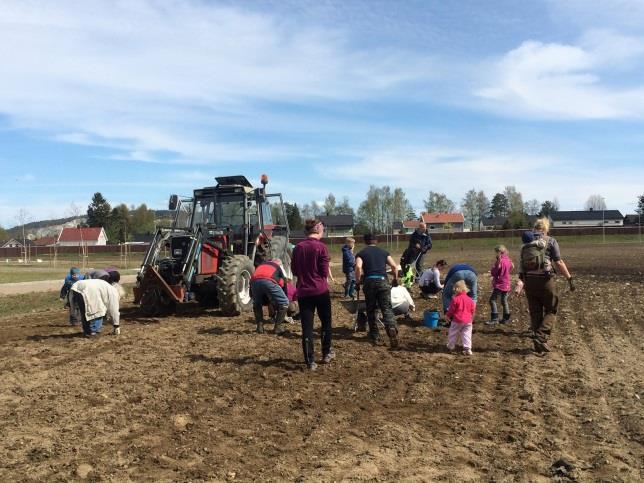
(217, 239)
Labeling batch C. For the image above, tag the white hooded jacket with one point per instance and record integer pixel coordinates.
(100, 299)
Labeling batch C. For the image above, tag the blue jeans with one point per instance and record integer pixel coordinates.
(350, 284)
(269, 290)
(448, 290)
(504, 302)
(92, 326)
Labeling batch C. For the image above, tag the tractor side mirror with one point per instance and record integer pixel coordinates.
(174, 201)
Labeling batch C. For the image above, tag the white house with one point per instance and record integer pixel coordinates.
(74, 237)
(569, 219)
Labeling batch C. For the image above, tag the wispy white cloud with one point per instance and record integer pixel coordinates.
(145, 76)
(454, 171)
(562, 81)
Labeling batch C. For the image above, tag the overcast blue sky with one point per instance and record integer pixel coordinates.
(139, 99)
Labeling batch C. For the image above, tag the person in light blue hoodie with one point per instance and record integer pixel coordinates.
(72, 277)
(349, 267)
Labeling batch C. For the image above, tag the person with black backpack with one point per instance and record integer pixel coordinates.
(539, 259)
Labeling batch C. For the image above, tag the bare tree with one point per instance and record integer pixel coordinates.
(330, 207)
(515, 200)
(438, 203)
(532, 207)
(595, 203)
(23, 217)
(469, 205)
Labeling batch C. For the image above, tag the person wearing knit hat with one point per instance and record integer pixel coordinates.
(72, 277)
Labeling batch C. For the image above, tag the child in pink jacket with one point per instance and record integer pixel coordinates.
(461, 313)
(500, 285)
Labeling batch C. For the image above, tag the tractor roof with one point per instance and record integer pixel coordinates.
(238, 180)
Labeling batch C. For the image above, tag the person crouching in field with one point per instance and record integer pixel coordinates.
(501, 285)
(94, 299)
(430, 280)
(349, 267)
(72, 277)
(269, 283)
(461, 313)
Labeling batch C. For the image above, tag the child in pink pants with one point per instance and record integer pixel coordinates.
(461, 313)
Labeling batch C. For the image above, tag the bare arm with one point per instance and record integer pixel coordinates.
(394, 268)
(563, 269)
(358, 269)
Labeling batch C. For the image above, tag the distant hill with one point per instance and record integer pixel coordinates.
(39, 229)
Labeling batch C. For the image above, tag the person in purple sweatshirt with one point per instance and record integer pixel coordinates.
(500, 273)
(310, 264)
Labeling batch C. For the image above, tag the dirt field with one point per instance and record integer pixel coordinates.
(199, 397)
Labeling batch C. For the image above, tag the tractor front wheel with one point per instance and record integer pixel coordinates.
(234, 286)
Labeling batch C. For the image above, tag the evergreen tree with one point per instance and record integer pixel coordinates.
(640, 204)
(98, 211)
(293, 216)
(547, 208)
(499, 205)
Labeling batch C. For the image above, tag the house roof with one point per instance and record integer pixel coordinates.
(632, 219)
(411, 223)
(45, 241)
(397, 225)
(494, 220)
(443, 217)
(337, 220)
(80, 234)
(15, 241)
(586, 215)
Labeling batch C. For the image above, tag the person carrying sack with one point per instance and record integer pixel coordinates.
(537, 270)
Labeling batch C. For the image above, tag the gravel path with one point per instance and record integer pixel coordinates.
(44, 286)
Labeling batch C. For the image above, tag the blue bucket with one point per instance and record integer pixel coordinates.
(430, 318)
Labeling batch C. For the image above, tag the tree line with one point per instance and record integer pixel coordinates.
(121, 223)
(382, 206)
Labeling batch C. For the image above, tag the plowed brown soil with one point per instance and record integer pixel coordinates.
(197, 397)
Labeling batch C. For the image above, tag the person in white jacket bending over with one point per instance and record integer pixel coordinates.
(401, 301)
(95, 299)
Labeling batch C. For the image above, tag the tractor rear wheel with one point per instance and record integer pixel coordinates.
(234, 286)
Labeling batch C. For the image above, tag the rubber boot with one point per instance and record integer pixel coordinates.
(309, 353)
(259, 319)
(374, 333)
(279, 328)
(392, 332)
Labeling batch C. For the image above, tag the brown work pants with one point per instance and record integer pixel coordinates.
(542, 302)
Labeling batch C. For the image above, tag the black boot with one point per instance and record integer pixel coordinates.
(279, 328)
(309, 352)
(259, 319)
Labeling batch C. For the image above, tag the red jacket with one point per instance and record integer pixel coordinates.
(270, 271)
(461, 309)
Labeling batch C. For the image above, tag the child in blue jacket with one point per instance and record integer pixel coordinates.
(349, 267)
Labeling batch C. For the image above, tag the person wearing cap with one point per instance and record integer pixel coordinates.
(94, 299)
(310, 264)
(268, 283)
(72, 277)
(371, 266)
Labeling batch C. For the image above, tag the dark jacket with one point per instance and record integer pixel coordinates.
(348, 260)
(423, 239)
